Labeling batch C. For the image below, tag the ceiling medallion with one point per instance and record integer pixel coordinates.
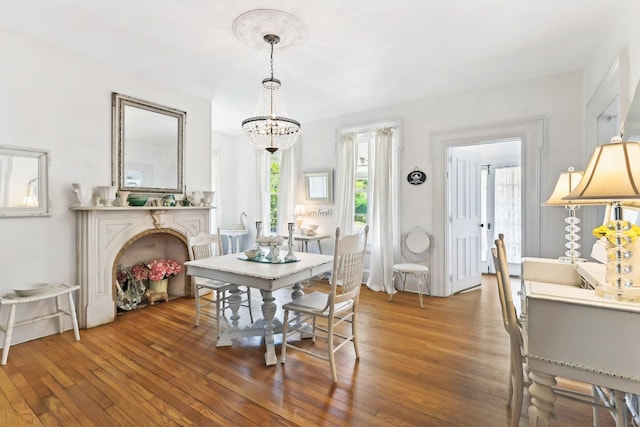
(251, 27)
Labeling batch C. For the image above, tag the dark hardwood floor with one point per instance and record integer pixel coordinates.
(445, 365)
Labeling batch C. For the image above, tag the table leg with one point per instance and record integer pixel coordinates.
(234, 303)
(268, 313)
(319, 246)
(542, 399)
(8, 333)
(621, 409)
(307, 330)
(297, 290)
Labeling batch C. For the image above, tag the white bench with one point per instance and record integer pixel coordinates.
(56, 292)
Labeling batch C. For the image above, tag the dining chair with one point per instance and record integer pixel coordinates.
(518, 372)
(206, 245)
(338, 306)
(415, 247)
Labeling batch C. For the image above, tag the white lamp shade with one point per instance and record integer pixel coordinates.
(613, 174)
(567, 181)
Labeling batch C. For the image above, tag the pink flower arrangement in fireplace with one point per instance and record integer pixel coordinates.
(140, 271)
(163, 268)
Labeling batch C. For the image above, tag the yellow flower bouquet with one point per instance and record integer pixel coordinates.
(611, 234)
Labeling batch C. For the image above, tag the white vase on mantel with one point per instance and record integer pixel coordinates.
(207, 197)
(123, 197)
(83, 196)
(196, 198)
(106, 194)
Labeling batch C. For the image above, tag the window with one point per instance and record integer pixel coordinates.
(368, 183)
(361, 196)
(274, 180)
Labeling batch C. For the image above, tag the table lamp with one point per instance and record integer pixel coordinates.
(299, 213)
(567, 181)
(613, 176)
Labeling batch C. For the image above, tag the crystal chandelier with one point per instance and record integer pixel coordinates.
(271, 127)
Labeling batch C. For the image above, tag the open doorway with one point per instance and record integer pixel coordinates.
(485, 195)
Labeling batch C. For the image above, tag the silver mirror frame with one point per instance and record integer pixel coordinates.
(39, 185)
(325, 193)
(119, 102)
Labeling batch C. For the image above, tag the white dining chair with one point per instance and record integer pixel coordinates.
(339, 305)
(415, 248)
(205, 245)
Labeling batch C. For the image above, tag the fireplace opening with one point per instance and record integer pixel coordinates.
(154, 244)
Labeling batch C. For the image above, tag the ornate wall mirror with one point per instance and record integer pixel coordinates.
(148, 142)
(24, 182)
(319, 186)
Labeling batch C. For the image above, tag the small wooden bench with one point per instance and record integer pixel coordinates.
(56, 291)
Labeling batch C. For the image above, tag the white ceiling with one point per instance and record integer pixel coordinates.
(358, 54)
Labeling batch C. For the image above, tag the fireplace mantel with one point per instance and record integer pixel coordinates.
(102, 232)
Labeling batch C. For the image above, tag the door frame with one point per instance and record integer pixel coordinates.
(488, 223)
(531, 131)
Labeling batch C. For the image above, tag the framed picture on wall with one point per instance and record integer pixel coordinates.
(319, 186)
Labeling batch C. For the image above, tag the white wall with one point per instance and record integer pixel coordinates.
(560, 100)
(237, 182)
(557, 99)
(55, 100)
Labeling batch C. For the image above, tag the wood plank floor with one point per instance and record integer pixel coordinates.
(446, 365)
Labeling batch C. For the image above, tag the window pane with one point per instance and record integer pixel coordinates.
(507, 210)
(484, 171)
(361, 200)
(273, 185)
(362, 181)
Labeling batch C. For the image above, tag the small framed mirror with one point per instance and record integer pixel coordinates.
(319, 186)
(148, 144)
(24, 182)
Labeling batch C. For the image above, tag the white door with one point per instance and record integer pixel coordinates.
(464, 219)
(486, 219)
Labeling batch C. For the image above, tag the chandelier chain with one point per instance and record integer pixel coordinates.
(271, 43)
(271, 89)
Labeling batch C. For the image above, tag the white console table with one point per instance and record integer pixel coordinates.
(56, 292)
(304, 241)
(574, 333)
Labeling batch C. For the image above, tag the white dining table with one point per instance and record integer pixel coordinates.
(267, 277)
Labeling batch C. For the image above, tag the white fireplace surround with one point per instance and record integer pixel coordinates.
(102, 233)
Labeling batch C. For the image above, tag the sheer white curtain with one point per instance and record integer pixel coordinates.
(286, 189)
(508, 215)
(263, 206)
(382, 202)
(345, 182)
(383, 207)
